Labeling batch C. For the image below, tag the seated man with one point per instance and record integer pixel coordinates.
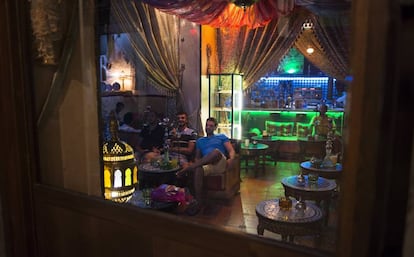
(183, 140)
(127, 132)
(118, 109)
(151, 138)
(211, 157)
(127, 124)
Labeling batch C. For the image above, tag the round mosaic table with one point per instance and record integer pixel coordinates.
(318, 191)
(326, 172)
(311, 147)
(288, 223)
(257, 152)
(273, 143)
(150, 176)
(321, 190)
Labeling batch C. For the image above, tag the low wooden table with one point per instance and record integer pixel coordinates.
(326, 172)
(322, 190)
(257, 152)
(288, 223)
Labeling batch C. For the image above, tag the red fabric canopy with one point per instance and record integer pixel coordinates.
(223, 13)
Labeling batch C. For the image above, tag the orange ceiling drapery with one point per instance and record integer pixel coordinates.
(224, 13)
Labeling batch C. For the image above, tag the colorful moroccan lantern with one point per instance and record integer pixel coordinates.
(120, 174)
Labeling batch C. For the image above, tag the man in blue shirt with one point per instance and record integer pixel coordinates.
(214, 154)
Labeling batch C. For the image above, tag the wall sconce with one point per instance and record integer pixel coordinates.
(120, 174)
(121, 79)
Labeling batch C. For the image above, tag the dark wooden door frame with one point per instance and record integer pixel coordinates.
(18, 158)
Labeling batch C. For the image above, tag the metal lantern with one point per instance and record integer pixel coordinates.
(120, 173)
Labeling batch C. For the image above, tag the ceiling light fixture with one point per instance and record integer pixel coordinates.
(308, 24)
(310, 50)
(244, 3)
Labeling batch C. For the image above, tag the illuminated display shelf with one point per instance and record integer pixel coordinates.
(225, 103)
(278, 91)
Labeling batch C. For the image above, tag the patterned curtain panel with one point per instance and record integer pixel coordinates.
(334, 34)
(153, 36)
(329, 38)
(255, 52)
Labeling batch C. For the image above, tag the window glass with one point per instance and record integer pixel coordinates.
(99, 77)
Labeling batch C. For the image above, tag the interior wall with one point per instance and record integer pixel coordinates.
(208, 49)
(190, 62)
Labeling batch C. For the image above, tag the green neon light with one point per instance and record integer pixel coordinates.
(292, 62)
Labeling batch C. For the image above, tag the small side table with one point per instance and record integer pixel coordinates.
(257, 152)
(288, 223)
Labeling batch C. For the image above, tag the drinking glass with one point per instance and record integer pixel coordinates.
(313, 178)
(174, 162)
(285, 203)
(146, 194)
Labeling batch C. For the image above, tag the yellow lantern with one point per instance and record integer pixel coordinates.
(120, 173)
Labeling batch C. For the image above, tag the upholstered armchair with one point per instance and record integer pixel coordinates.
(224, 186)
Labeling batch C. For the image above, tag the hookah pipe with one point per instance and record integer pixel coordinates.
(177, 135)
(166, 144)
(167, 139)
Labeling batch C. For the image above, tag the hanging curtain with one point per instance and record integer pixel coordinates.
(223, 13)
(153, 36)
(325, 7)
(334, 34)
(329, 37)
(255, 52)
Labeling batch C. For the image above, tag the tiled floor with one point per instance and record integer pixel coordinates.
(239, 214)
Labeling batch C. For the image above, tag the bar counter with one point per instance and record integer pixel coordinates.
(288, 126)
(259, 119)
